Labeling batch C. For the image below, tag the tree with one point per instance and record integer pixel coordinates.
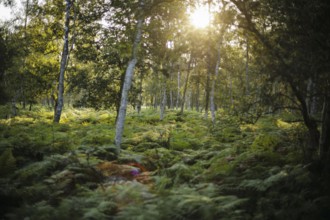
(64, 58)
(295, 56)
(128, 79)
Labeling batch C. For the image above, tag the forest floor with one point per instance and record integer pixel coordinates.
(180, 168)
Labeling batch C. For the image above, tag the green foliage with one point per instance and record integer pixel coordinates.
(184, 202)
(7, 162)
(187, 170)
(265, 142)
(160, 158)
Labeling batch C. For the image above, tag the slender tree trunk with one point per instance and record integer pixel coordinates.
(139, 101)
(207, 90)
(23, 77)
(325, 133)
(186, 85)
(179, 86)
(65, 52)
(171, 91)
(311, 98)
(171, 99)
(216, 73)
(127, 85)
(247, 88)
(198, 92)
(231, 91)
(209, 69)
(13, 107)
(163, 102)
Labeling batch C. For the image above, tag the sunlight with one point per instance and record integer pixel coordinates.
(200, 17)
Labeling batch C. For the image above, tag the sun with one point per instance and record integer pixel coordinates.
(200, 17)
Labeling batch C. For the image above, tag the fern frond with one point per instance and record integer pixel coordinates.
(7, 162)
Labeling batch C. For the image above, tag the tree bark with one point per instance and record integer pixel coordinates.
(216, 73)
(186, 85)
(247, 89)
(178, 94)
(311, 98)
(65, 52)
(198, 92)
(139, 98)
(127, 84)
(325, 134)
(163, 103)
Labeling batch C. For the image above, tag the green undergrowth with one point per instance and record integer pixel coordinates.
(189, 167)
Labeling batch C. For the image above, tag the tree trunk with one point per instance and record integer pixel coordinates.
(171, 104)
(311, 98)
(207, 91)
(23, 78)
(186, 85)
(139, 101)
(13, 107)
(325, 133)
(247, 88)
(216, 73)
(65, 52)
(127, 85)
(163, 102)
(231, 92)
(198, 92)
(310, 122)
(171, 99)
(179, 86)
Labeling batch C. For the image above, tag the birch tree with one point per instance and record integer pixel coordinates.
(128, 79)
(64, 58)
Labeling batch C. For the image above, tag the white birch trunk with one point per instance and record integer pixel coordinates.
(186, 85)
(65, 52)
(127, 85)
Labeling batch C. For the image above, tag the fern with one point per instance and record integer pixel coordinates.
(7, 163)
(263, 185)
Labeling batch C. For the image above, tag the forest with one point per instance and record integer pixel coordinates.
(165, 109)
